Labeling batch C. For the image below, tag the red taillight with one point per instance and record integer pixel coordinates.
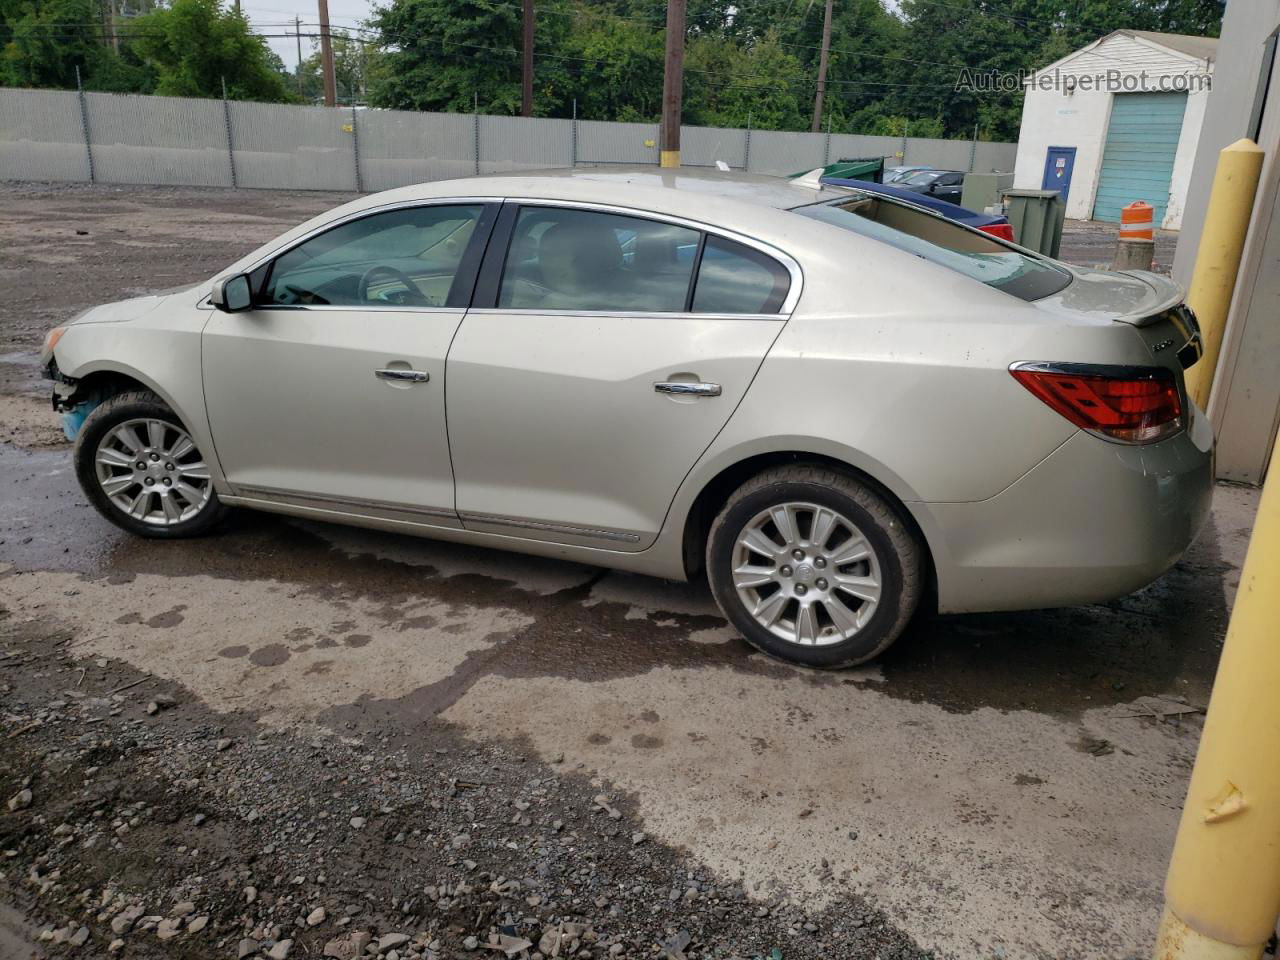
(1002, 230)
(1134, 405)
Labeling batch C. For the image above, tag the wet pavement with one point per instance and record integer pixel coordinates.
(994, 780)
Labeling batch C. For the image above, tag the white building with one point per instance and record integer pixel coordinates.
(1118, 121)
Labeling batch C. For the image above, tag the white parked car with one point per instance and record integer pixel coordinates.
(836, 405)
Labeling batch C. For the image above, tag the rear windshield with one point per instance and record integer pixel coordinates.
(943, 242)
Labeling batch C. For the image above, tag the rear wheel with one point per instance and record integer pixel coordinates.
(142, 470)
(814, 567)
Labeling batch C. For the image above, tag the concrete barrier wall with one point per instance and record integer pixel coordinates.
(116, 138)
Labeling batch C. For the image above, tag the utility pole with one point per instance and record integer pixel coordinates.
(526, 80)
(326, 57)
(822, 69)
(109, 38)
(672, 86)
(297, 33)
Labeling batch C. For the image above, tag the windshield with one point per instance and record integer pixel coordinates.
(940, 241)
(923, 176)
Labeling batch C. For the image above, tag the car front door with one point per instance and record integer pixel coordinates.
(603, 353)
(329, 392)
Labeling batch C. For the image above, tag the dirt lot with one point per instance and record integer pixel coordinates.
(294, 735)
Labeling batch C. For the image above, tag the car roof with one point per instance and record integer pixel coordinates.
(654, 188)
(749, 204)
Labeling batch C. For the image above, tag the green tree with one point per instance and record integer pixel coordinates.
(354, 61)
(731, 85)
(446, 54)
(44, 41)
(617, 65)
(194, 44)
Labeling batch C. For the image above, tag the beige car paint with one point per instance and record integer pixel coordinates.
(296, 405)
(556, 418)
(890, 364)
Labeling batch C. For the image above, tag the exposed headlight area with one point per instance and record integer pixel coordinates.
(46, 351)
(1119, 403)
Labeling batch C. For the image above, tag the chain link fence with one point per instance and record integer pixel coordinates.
(118, 138)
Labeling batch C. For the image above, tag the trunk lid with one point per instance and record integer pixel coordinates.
(1153, 305)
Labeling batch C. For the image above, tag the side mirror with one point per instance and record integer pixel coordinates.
(231, 294)
(933, 187)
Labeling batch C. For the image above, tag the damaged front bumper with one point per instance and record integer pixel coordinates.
(71, 399)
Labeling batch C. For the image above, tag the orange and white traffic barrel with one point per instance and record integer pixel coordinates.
(1136, 221)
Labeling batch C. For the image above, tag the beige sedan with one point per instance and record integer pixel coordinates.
(836, 407)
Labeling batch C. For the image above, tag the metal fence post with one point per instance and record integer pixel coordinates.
(475, 117)
(573, 147)
(84, 125)
(355, 148)
(746, 147)
(826, 147)
(226, 118)
(973, 148)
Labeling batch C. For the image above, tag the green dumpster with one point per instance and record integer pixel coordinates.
(1037, 217)
(852, 168)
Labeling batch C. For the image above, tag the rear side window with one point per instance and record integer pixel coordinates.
(564, 259)
(940, 241)
(734, 278)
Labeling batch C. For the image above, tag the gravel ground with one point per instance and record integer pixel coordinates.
(350, 742)
(151, 825)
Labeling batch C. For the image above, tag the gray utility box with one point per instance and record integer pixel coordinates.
(982, 190)
(1037, 217)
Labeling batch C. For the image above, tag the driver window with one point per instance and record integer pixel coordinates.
(402, 257)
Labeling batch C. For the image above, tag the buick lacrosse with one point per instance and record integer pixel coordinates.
(836, 406)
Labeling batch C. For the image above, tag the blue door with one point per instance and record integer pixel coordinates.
(1058, 165)
(1137, 162)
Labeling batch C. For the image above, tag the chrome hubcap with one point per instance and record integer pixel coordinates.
(152, 471)
(806, 573)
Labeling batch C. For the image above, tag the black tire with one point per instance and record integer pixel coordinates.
(897, 551)
(135, 404)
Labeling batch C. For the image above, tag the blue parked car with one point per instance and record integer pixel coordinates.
(996, 226)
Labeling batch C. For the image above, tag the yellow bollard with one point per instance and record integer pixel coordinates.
(1218, 261)
(1222, 895)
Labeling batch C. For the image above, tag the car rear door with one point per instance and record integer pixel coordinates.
(604, 351)
(949, 187)
(329, 392)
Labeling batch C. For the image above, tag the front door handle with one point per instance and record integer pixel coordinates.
(685, 388)
(402, 376)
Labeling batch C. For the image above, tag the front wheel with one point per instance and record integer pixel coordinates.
(138, 465)
(814, 567)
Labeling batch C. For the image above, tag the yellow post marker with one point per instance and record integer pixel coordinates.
(1222, 895)
(669, 158)
(1221, 243)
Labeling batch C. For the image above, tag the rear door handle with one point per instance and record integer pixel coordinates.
(685, 388)
(402, 376)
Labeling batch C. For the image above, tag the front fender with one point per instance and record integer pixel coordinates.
(163, 356)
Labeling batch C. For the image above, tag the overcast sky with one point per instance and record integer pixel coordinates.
(272, 17)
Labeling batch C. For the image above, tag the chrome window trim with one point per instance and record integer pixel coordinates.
(636, 314)
(791, 265)
(569, 529)
(371, 308)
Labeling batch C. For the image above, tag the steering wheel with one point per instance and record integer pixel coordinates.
(412, 295)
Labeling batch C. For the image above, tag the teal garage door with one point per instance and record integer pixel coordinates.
(1137, 162)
